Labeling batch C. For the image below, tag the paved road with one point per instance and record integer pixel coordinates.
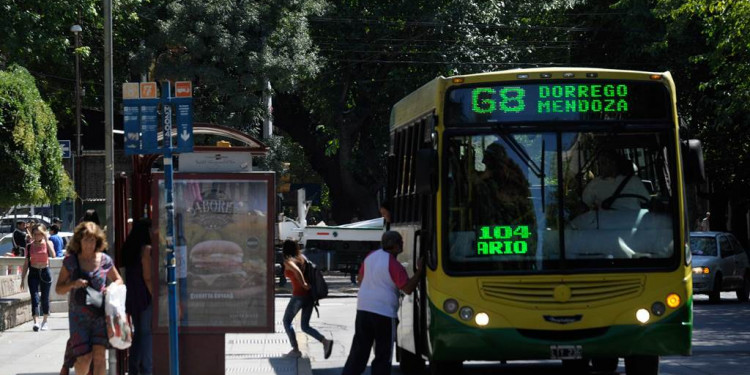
(721, 343)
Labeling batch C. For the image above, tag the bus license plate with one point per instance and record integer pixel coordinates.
(566, 351)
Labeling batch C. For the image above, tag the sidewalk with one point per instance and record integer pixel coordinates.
(25, 352)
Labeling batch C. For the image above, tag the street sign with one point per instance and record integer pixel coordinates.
(65, 147)
(141, 106)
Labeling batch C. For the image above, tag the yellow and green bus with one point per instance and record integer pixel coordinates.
(549, 205)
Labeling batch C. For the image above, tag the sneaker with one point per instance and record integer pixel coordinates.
(327, 348)
(44, 326)
(293, 354)
(36, 327)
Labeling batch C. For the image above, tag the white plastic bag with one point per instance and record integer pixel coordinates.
(119, 326)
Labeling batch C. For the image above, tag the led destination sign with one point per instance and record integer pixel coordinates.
(503, 239)
(606, 100)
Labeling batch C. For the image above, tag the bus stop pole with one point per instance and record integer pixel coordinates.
(174, 360)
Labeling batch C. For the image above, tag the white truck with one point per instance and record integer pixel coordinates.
(334, 248)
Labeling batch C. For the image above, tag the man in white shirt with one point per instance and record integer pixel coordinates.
(614, 170)
(381, 277)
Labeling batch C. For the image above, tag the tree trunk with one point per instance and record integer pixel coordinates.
(348, 198)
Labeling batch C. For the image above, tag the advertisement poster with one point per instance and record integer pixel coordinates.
(223, 236)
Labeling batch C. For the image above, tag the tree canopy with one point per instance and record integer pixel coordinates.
(32, 160)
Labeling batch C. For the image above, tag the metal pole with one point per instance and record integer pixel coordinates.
(77, 152)
(174, 359)
(109, 171)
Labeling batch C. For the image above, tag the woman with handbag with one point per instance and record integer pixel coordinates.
(84, 275)
(38, 252)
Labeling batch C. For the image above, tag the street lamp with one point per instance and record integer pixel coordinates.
(76, 29)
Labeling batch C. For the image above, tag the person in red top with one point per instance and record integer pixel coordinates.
(38, 252)
(294, 268)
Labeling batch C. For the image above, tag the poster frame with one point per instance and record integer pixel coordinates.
(158, 263)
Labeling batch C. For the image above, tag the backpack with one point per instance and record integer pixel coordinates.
(318, 286)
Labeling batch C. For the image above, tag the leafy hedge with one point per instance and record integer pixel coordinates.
(31, 169)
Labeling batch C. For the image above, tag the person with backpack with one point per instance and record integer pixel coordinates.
(381, 277)
(295, 265)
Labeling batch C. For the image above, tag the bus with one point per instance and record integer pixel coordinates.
(549, 205)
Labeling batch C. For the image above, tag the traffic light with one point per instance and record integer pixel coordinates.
(285, 179)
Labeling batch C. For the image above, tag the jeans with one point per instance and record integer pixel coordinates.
(368, 328)
(141, 360)
(296, 304)
(39, 279)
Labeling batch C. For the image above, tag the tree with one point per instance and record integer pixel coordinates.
(32, 160)
(229, 50)
(706, 44)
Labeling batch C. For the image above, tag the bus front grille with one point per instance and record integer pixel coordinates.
(564, 293)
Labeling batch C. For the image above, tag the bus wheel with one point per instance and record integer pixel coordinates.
(714, 296)
(642, 365)
(606, 365)
(743, 294)
(446, 367)
(409, 362)
(575, 366)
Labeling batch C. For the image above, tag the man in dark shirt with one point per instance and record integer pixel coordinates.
(19, 239)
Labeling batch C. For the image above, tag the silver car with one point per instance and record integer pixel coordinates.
(720, 264)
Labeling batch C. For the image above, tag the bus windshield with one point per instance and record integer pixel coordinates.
(538, 201)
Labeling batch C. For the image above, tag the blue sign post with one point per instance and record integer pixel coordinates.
(141, 112)
(171, 261)
(65, 148)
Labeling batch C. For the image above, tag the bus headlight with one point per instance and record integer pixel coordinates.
(482, 319)
(450, 305)
(642, 315)
(466, 313)
(701, 270)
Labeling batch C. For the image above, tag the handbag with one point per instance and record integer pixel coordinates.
(89, 296)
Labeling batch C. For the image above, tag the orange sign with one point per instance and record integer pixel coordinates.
(183, 89)
(148, 90)
(130, 90)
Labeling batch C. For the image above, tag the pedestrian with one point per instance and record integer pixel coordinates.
(92, 216)
(137, 253)
(294, 269)
(56, 240)
(84, 274)
(705, 223)
(38, 252)
(89, 216)
(381, 277)
(19, 239)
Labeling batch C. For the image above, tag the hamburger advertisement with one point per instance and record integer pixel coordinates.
(223, 233)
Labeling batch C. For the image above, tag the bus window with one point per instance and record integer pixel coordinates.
(502, 192)
(509, 198)
(610, 213)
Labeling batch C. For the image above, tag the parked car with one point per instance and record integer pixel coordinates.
(720, 263)
(8, 223)
(6, 242)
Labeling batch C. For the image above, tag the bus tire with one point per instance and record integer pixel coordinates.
(575, 366)
(714, 296)
(743, 294)
(446, 367)
(607, 365)
(409, 362)
(642, 365)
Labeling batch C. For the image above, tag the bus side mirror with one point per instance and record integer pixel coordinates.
(427, 163)
(692, 156)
